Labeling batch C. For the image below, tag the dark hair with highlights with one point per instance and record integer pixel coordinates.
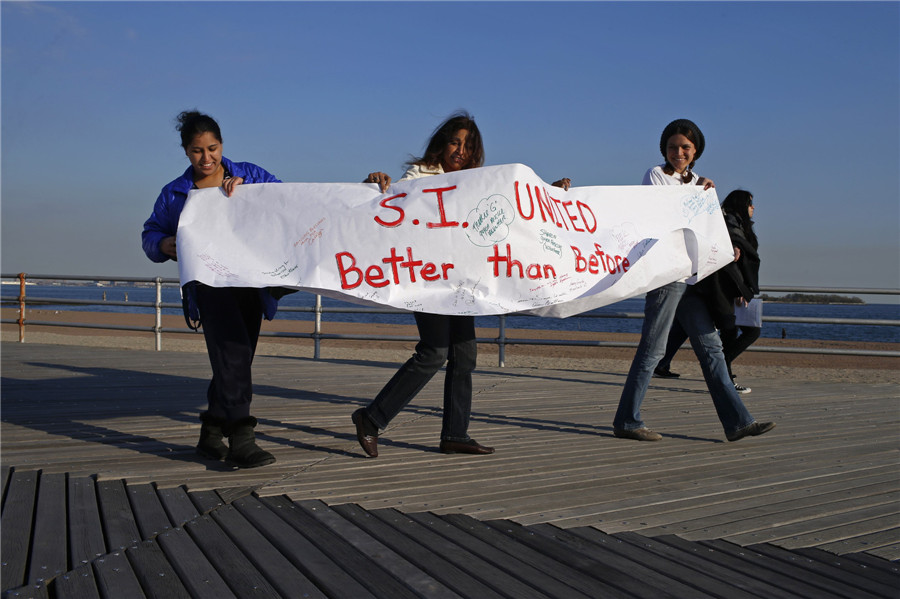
(442, 136)
(192, 123)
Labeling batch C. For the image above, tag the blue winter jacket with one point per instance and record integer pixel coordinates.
(164, 223)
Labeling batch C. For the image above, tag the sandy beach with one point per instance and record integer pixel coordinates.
(749, 366)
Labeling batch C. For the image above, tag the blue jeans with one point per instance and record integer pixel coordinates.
(660, 306)
(690, 309)
(442, 339)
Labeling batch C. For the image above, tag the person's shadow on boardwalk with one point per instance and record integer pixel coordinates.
(73, 407)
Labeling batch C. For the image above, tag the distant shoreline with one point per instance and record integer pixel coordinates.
(813, 299)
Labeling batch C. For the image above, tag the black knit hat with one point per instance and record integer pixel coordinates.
(682, 125)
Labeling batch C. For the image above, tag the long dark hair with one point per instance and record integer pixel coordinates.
(737, 203)
(192, 123)
(442, 136)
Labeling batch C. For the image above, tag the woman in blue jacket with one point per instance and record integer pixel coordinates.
(230, 316)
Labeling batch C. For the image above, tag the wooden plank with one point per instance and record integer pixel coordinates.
(887, 552)
(541, 582)
(835, 571)
(148, 510)
(5, 472)
(339, 550)
(178, 505)
(276, 568)
(206, 501)
(76, 584)
(16, 521)
(48, 549)
(235, 568)
(754, 563)
(869, 535)
(379, 553)
(644, 554)
(604, 549)
(231, 493)
(115, 578)
(193, 568)
(306, 557)
(31, 591)
(472, 565)
(528, 555)
(115, 511)
(692, 569)
(85, 530)
(155, 574)
(878, 570)
(844, 522)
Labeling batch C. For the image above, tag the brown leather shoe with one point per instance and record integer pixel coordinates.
(638, 434)
(369, 443)
(470, 446)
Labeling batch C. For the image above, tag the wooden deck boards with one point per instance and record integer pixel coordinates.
(102, 490)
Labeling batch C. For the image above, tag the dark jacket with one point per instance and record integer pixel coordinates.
(737, 279)
(163, 222)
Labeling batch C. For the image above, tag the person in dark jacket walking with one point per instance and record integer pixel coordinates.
(230, 316)
(736, 284)
(738, 210)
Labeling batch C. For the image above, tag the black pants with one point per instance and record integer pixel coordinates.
(733, 344)
(231, 318)
(448, 339)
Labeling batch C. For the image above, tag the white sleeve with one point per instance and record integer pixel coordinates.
(417, 171)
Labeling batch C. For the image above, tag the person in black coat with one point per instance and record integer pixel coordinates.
(735, 284)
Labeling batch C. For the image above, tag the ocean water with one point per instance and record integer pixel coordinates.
(837, 332)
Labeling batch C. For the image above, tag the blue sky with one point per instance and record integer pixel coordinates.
(799, 103)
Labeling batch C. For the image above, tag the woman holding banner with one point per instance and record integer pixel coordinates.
(681, 144)
(455, 145)
(230, 316)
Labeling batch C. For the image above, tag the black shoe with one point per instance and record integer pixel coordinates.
(751, 430)
(243, 451)
(469, 446)
(665, 373)
(211, 445)
(367, 439)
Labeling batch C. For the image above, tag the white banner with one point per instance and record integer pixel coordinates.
(490, 240)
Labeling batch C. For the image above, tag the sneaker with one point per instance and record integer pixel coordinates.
(741, 388)
(751, 430)
(665, 373)
(638, 434)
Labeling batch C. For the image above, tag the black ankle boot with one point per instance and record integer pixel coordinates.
(243, 451)
(211, 445)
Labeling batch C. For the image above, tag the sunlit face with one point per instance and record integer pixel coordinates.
(455, 154)
(205, 154)
(680, 152)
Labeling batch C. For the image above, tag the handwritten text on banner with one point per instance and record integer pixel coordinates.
(491, 240)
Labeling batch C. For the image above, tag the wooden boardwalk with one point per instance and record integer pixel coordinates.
(104, 497)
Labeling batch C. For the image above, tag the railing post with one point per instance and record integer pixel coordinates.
(21, 307)
(158, 328)
(317, 331)
(501, 341)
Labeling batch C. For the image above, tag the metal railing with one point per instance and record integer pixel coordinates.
(502, 340)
